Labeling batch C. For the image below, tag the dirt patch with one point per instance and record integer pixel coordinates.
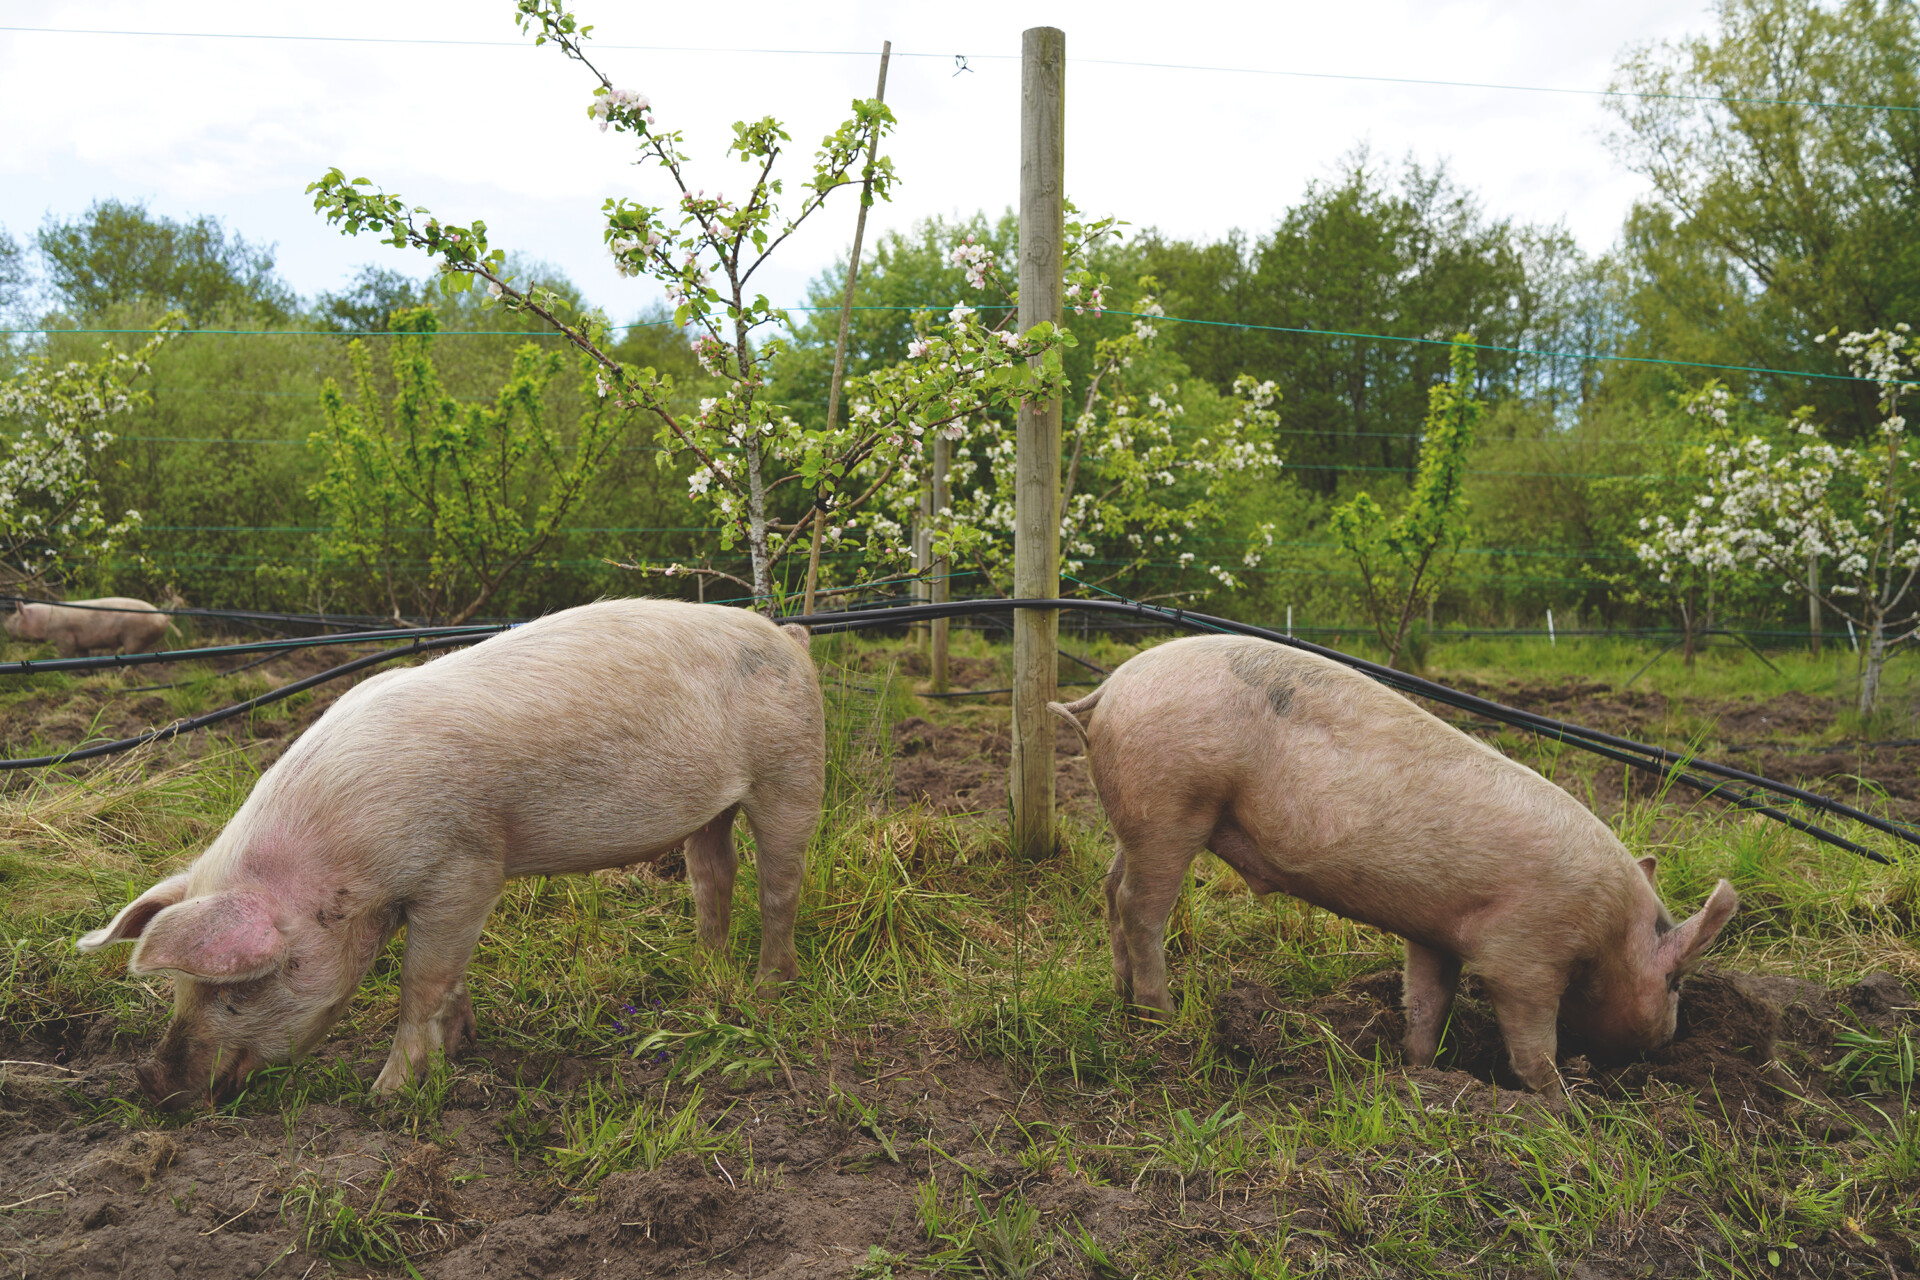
(962, 672)
(804, 1187)
(111, 706)
(962, 768)
(1732, 1034)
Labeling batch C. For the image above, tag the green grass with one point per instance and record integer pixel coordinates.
(916, 929)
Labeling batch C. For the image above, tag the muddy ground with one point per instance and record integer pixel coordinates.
(825, 1165)
(1789, 738)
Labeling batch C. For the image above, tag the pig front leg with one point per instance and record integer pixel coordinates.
(436, 1012)
(1431, 980)
(711, 867)
(1528, 1010)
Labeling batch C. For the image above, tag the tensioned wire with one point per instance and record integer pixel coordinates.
(1597, 357)
(987, 57)
(1657, 760)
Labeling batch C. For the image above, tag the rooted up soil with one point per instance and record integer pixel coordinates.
(812, 1185)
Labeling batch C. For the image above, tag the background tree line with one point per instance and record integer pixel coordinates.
(1770, 220)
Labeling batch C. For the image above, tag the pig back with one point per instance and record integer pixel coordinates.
(592, 737)
(1316, 780)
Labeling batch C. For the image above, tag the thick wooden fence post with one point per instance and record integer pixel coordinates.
(1036, 538)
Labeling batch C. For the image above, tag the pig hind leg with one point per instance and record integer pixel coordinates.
(1151, 866)
(1122, 966)
(783, 823)
(436, 1011)
(711, 867)
(1431, 980)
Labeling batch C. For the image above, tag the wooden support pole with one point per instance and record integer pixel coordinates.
(942, 463)
(840, 344)
(1036, 537)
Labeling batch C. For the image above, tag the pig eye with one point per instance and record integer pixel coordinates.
(1673, 982)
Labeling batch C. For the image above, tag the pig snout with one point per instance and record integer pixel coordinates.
(185, 1072)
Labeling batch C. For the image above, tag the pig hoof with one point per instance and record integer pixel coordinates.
(394, 1076)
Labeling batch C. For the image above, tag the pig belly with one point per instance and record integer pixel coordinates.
(592, 836)
(1344, 886)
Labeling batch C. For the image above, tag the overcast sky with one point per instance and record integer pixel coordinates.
(238, 127)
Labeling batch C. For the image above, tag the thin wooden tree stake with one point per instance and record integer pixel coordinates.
(846, 316)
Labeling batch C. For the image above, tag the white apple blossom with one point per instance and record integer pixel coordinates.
(51, 519)
(1856, 509)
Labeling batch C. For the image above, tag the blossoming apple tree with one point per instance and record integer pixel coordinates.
(741, 449)
(51, 519)
(1852, 509)
(1137, 477)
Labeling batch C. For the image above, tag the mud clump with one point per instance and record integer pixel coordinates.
(1722, 1050)
(682, 1203)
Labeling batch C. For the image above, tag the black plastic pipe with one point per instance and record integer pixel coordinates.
(1638, 755)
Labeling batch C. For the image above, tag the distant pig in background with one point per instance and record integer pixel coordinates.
(596, 737)
(114, 624)
(1309, 778)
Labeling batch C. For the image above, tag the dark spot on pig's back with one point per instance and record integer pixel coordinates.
(758, 654)
(1265, 669)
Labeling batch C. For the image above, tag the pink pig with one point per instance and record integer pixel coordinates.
(596, 737)
(115, 624)
(1310, 778)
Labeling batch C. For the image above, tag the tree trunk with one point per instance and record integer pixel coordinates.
(757, 528)
(1870, 673)
(1686, 630)
(942, 463)
(1813, 603)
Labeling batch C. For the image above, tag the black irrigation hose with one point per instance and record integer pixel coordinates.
(1593, 740)
(982, 693)
(1636, 755)
(238, 708)
(25, 667)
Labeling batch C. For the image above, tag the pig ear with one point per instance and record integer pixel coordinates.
(1682, 946)
(223, 937)
(798, 634)
(134, 917)
(1649, 865)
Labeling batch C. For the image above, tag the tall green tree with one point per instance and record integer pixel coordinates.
(1784, 153)
(117, 253)
(1404, 256)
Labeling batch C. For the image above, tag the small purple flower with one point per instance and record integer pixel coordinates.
(661, 1056)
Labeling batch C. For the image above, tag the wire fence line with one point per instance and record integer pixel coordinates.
(1244, 327)
(961, 59)
(1742, 790)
